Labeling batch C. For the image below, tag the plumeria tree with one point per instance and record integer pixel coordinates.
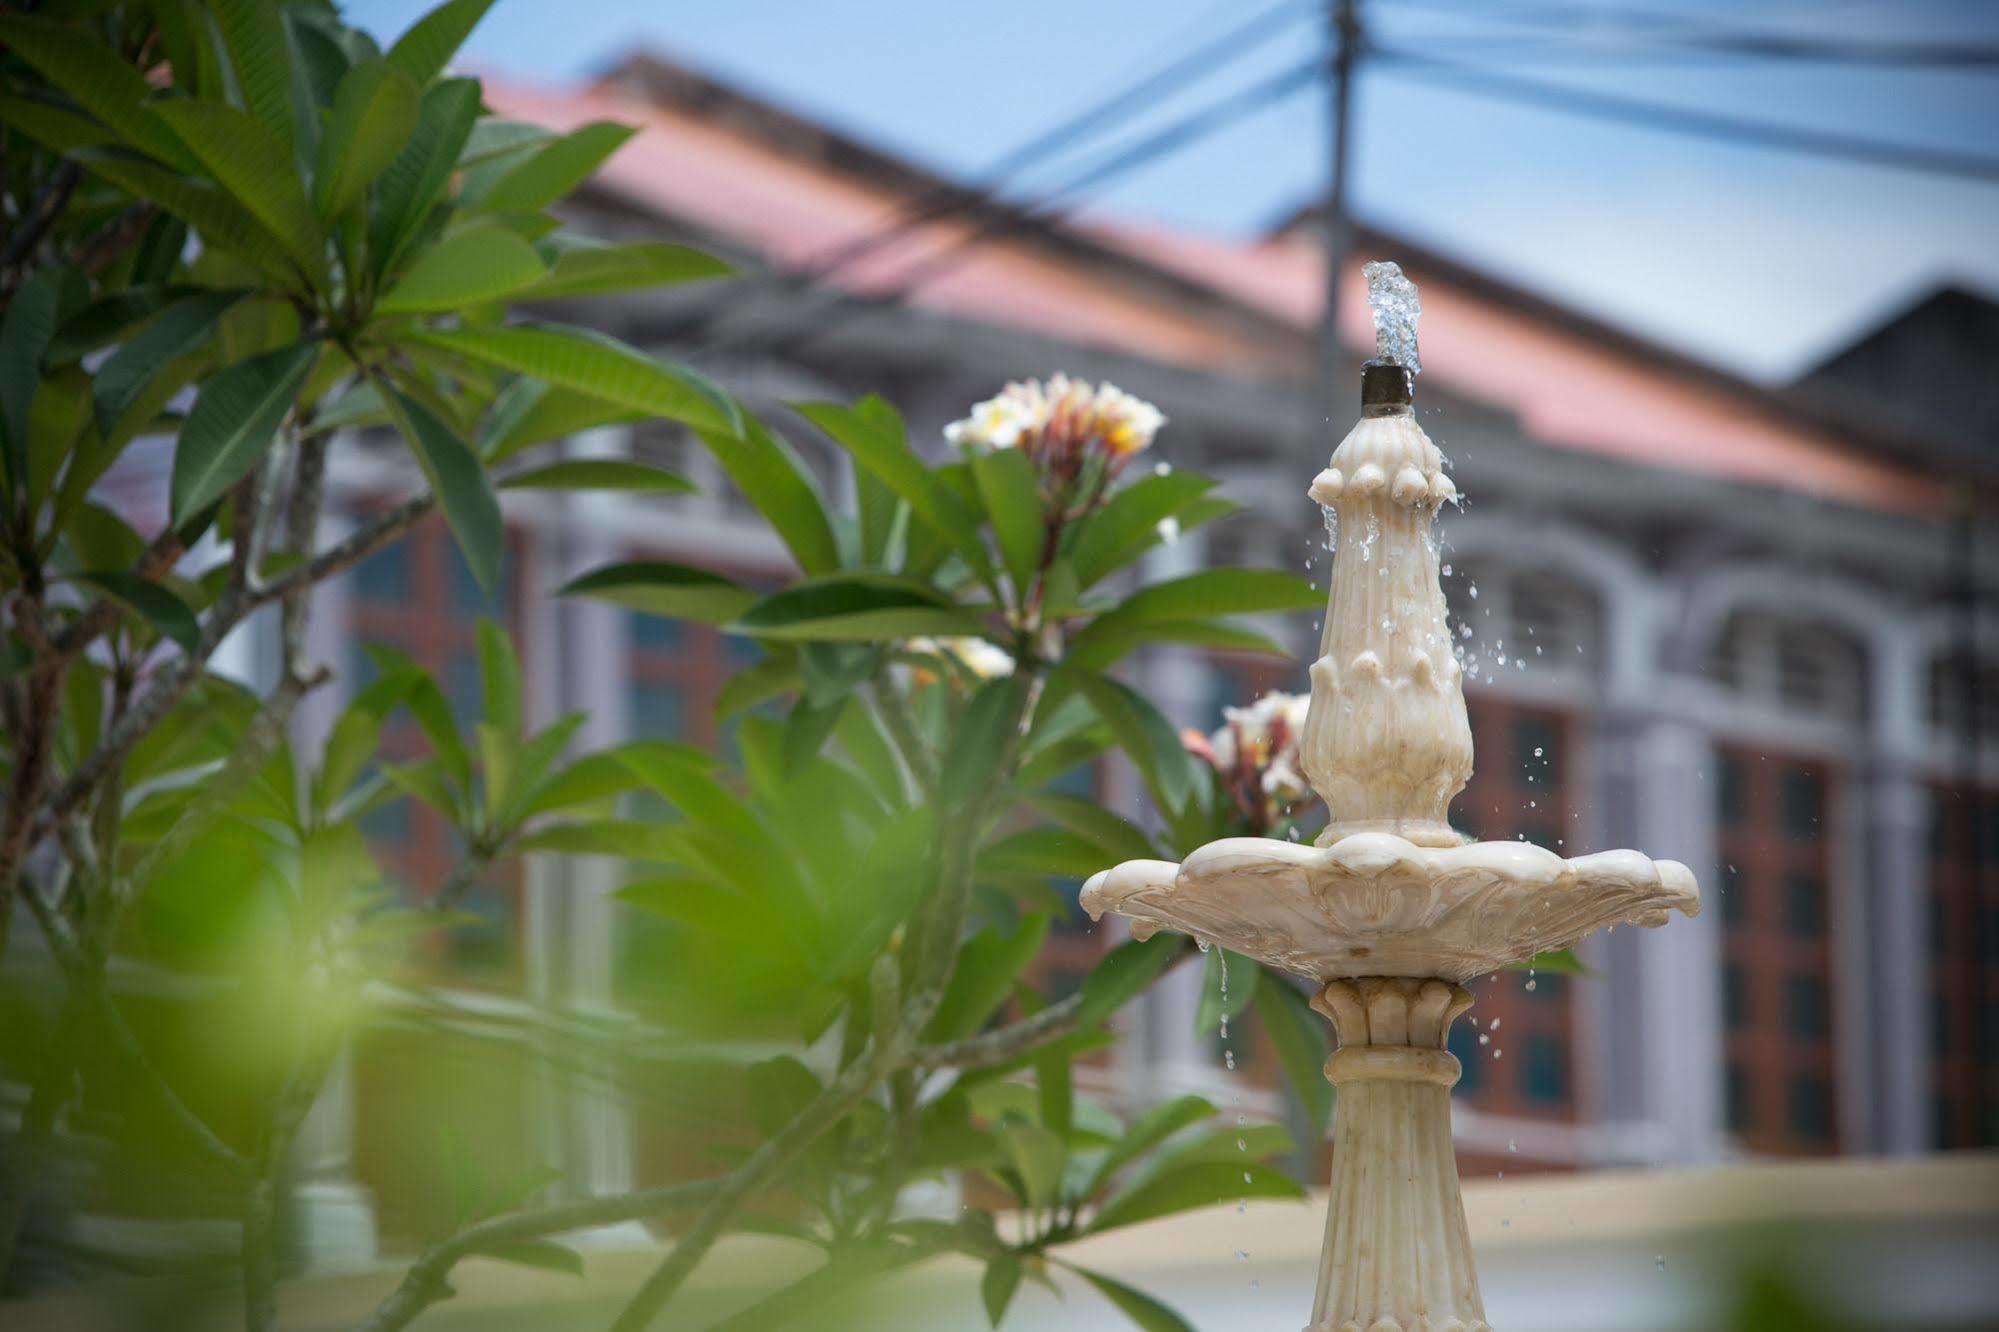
(241, 238)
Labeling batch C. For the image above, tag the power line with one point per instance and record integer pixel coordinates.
(951, 199)
(1461, 76)
(1190, 128)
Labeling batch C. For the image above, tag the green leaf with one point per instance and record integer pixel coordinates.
(659, 587)
(593, 269)
(221, 222)
(598, 366)
(599, 474)
(424, 50)
(987, 966)
(554, 169)
(255, 39)
(529, 412)
(460, 484)
(232, 424)
(410, 187)
(112, 315)
(255, 167)
(856, 607)
(1213, 592)
(1556, 962)
(873, 433)
(1198, 1184)
(124, 376)
(1103, 642)
(1240, 987)
(158, 606)
(1123, 975)
(1037, 1156)
(1146, 736)
(1150, 1129)
(103, 83)
(26, 331)
(499, 677)
(1042, 851)
(1149, 1314)
(771, 477)
(483, 261)
(544, 1254)
(374, 113)
(1114, 836)
(980, 739)
(349, 747)
(1298, 1035)
(1008, 489)
(1128, 524)
(997, 1286)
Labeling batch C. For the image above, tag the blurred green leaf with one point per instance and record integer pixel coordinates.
(1197, 1184)
(996, 1287)
(235, 417)
(483, 261)
(374, 113)
(1123, 974)
(528, 411)
(102, 83)
(406, 192)
(255, 166)
(554, 169)
(26, 331)
(1155, 1126)
(599, 474)
(1228, 983)
(1012, 500)
(770, 476)
(1145, 736)
(254, 38)
(659, 587)
(591, 364)
(1128, 524)
(461, 485)
(544, 1254)
(856, 607)
(988, 963)
(169, 616)
(1556, 962)
(1148, 1313)
(426, 48)
(1037, 1156)
(1299, 1036)
(126, 373)
(589, 269)
(979, 742)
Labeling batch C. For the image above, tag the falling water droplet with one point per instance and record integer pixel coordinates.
(1512, 1145)
(1659, 1261)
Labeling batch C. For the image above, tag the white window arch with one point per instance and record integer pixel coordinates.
(1801, 667)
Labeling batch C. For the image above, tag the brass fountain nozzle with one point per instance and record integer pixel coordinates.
(1386, 388)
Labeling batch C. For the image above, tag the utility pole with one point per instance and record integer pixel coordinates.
(1333, 392)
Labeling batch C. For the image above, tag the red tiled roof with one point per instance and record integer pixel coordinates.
(1607, 395)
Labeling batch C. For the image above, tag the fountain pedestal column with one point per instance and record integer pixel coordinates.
(1397, 1256)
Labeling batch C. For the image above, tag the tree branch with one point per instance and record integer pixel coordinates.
(350, 550)
(427, 1281)
(1003, 1043)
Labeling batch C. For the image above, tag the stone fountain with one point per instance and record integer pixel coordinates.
(1391, 911)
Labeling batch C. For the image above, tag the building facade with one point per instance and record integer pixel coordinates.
(1700, 617)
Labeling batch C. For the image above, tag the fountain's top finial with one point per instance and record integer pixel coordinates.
(1396, 307)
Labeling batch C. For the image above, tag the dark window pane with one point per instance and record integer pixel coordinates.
(1734, 896)
(1534, 753)
(1729, 799)
(467, 597)
(1811, 1108)
(1943, 1120)
(383, 579)
(1736, 1087)
(463, 687)
(1541, 835)
(658, 710)
(1080, 780)
(485, 945)
(1464, 1044)
(388, 826)
(1802, 797)
(657, 632)
(1804, 905)
(1734, 997)
(1805, 1006)
(1544, 1070)
(741, 651)
(1547, 989)
(1943, 1033)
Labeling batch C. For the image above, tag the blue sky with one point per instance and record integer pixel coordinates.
(1758, 260)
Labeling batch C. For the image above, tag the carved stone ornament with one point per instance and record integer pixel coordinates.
(1392, 910)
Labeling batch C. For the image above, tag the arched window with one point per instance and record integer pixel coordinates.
(1521, 620)
(1955, 691)
(1800, 667)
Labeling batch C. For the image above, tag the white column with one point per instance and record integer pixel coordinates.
(1679, 1055)
(1894, 809)
(334, 1215)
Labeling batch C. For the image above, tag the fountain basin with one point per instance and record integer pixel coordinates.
(1375, 904)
